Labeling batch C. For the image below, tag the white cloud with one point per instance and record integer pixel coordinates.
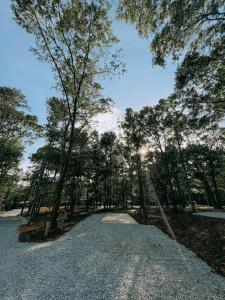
(25, 164)
(107, 121)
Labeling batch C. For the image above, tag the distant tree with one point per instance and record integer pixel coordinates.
(206, 165)
(107, 143)
(134, 136)
(17, 128)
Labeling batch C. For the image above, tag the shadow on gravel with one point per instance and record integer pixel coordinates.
(104, 261)
(204, 236)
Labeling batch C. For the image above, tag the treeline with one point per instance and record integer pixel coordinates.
(183, 158)
(159, 148)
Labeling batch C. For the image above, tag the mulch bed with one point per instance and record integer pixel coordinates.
(35, 232)
(204, 236)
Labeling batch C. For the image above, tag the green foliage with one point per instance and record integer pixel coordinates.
(76, 38)
(176, 26)
(17, 128)
(177, 144)
(191, 28)
(200, 84)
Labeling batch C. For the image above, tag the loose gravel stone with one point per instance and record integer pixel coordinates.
(103, 261)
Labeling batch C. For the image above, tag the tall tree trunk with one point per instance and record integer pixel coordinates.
(62, 176)
(36, 198)
(213, 176)
(184, 171)
(140, 184)
(169, 180)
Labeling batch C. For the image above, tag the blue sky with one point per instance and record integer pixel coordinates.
(142, 85)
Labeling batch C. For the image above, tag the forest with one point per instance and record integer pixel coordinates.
(172, 153)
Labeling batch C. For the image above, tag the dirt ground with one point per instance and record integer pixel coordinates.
(204, 236)
(35, 232)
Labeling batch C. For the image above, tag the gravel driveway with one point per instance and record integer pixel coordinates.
(212, 214)
(98, 260)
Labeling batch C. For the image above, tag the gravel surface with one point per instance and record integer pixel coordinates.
(103, 261)
(118, 218)
(10, 213)
(212, 214)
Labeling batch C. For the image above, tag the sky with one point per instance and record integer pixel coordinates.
(142, 84)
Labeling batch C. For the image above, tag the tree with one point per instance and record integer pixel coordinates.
(206, 165)
(17, 128)
(75, 37)
(134, 136)
(191, 28)
(107, 144)
(176, 26)
(200, 84)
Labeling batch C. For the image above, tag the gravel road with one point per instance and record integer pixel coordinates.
(212, 214)
(10, 213)
(98, 260)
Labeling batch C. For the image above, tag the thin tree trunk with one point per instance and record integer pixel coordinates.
(140, 183)
(213, 176)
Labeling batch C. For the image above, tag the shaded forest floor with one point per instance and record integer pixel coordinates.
(35, 232)
(204, 236)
